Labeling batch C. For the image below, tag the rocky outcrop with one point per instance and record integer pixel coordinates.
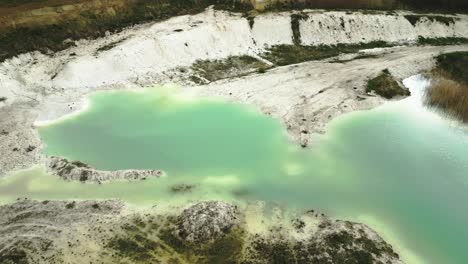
(79, 171)
(206, 221)
(213, 232)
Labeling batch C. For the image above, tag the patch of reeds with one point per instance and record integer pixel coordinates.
(449, 96)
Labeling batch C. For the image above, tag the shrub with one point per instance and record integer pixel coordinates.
(386, 86)
(453, 66)
(442, 41)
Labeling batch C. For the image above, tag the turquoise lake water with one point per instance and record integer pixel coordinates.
(400, 168)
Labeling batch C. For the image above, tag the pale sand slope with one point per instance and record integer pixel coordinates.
(42, 88)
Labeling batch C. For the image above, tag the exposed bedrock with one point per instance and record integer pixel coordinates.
(79, 171)
(205, 232)
(207, 221)
(180, 42)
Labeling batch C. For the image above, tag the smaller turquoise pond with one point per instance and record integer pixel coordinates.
(400, 168)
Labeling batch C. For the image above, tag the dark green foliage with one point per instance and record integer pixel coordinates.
(359, 57)
(13, 256)
(414, 19)
(454, 65)
(415, 5)
(386, 86)
(295, 21)
(213, 70)
(3, 99)
(292, 54)
(12, 3)
(108, 46)
(93, 25)
(273, 251)
(442, 41)
(167, 235)
(449, 88)
(226, 249)
(138, 249)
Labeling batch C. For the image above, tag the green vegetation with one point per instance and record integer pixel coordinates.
(212, 70)
(386, 86)
(414, 19)
(14, 256)
(138, 248)
(12, 3)
(449, 89)
(442, 41)
(109, 46)
(273, 251)
(359, 57)
(454, 66)
(292, 54)
(3, 99)
(226, 249)
(295, 21)
(415, 5)
(45, 38)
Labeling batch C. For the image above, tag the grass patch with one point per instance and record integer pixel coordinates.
(386, 86)
(442, 41)
(449, 96)
(213, 70)
(12, 3)
(227, 249)
(138, 248)
(359, 57)
(372, 6)
(292, 54)
(449, 89)
(414, 19)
